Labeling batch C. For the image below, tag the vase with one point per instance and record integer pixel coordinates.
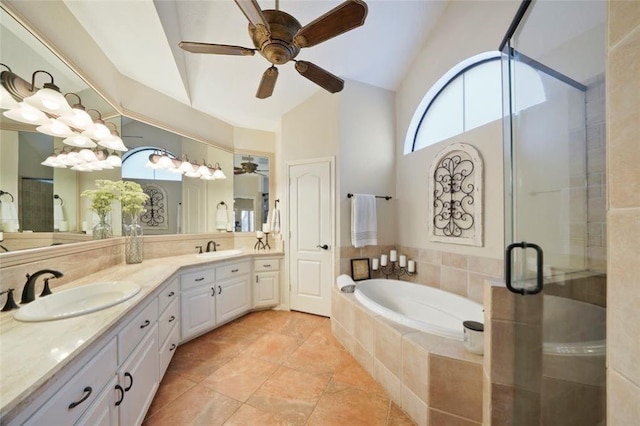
(133, 242)
(102, 229)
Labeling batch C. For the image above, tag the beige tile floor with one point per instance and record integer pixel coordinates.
(270, 368)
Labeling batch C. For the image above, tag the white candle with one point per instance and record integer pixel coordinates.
(403, 260)
(412, 266)
(393, 256)
(374, 264)
(266, 228)
(383, 260)
(260, 234)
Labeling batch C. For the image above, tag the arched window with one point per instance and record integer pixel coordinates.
(133, 165)
(467, 96)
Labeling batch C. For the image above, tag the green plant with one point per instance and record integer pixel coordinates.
(130, 195)
(103, 197)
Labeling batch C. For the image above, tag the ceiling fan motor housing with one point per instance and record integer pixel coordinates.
(277, 48)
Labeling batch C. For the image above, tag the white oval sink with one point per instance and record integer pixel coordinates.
(77, 301)
(219, 253)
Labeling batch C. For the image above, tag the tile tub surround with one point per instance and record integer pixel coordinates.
(455, 273)
(431, 378)
(27, 366)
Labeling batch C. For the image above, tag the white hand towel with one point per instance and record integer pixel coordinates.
(343, 281)
(221, 219)
(275, 220)
(58, 213)
(364, 222)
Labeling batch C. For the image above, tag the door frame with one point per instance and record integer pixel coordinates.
(285, 302)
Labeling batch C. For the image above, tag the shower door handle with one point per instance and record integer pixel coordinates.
(539, 267)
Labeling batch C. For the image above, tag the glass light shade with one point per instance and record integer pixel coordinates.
(150, 164)
(80, 141)
(88, 155)
(25, 113)
(186, 167)
(175, 170)
(97, 131)
(51, 161)
(165, 163)
(218, 174)
(204, 171)
(114, 160)
(193, 174)
(81, 168)
(208, 177)
(73, 158)
(94, 166)
(77, 118)
(55, 128)
(6, 100)
(105, 165)
(113, 142)
(50, 101)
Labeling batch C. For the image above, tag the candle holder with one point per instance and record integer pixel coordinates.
(393, 268)
(260, 245)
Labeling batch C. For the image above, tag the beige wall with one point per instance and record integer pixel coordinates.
(9, 164)
(623, 217)
(466, 28)
(253, 140)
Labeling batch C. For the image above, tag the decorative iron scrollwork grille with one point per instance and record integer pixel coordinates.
(455, 185)
(154, 216)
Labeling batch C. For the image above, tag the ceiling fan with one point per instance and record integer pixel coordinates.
(279, 37)
(248, 167)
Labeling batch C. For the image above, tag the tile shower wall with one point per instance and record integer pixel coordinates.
(596, 176)
(623, 217)
(455, 273)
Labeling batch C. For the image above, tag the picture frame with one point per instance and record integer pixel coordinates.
(360, 269)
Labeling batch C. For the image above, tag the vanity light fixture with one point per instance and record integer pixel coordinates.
(48, 99)
(25, 113)
(6, 100)
(56, 128)
(77, 117)
(113, 141)
(98, 130)
(162, 160)
(84, 160)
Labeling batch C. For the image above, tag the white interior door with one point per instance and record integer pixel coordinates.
(311, 236)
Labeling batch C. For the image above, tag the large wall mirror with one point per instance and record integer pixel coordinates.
(46, 201)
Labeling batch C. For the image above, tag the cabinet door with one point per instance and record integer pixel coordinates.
(266, 289)
(198, 313)
(103, 412)
(233, 298)
(139, 378)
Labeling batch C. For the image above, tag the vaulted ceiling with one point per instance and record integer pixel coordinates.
(140, 37)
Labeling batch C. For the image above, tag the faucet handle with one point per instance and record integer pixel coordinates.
(200, 249)
(46, 290)
(11, 303)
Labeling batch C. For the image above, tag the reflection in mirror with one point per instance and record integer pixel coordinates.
(250, 192)
(23, 149)
(177, 202)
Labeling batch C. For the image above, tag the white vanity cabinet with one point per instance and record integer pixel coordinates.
(233, 295)
(266, 285)
(104, 411)
(168, 324)
(197, 300)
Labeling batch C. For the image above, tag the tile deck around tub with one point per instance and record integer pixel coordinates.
(270, 368)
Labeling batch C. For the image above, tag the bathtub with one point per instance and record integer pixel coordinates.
(418, 306)
(569, 327)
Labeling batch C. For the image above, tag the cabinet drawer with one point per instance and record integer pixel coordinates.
(169, 294)
(168, 349)
(82, 390)
(232, 270)
(135, 331)
(266, 265)
(197, 278)
(168, 320)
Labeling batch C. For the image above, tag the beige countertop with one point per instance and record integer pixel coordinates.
(34, 353)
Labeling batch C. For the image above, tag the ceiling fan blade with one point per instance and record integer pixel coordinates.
(345, 17)
(268, 82)
(252, 11)
(217, 49)
(322, 78)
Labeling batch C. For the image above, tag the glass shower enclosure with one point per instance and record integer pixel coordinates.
(555, 220)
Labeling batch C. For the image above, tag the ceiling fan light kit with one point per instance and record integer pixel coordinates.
(279, 37)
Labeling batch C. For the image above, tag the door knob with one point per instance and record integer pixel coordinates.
(323, 247)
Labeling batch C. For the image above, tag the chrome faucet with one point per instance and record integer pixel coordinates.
(210, 243)
(29, 290)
